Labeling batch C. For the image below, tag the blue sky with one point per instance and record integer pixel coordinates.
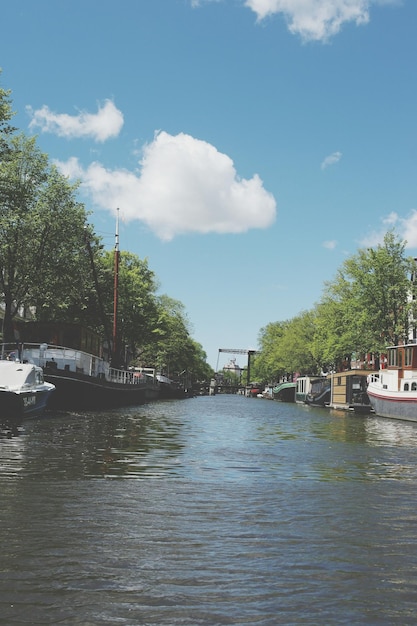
(251, 146)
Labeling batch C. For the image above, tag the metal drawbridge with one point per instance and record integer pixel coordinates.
(250, 354)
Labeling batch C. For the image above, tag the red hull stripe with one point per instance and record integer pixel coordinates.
(391, 399)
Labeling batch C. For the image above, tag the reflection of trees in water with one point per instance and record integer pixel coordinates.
(102, 444)
(119, 445)
(136, 445)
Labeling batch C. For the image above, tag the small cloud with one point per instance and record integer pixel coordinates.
(316, 20)
(104, 124)
(198, 3)
(330, 245)
(185, 185)
(405, 227)
(71, 168)
(409, 229)
(391, 219)
(332, 159)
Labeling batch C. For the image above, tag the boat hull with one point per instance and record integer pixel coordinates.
(285, 392)
(85, 393)
(172, 392)
(319, 399)
(23, 405)
(394, 405)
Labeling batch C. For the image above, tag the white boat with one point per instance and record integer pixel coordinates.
(393, 390)
(23, 391)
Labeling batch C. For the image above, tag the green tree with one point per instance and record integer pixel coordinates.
(170, 347)
(6, 130)
(332, 337)
(270, 364)
(296, 345)
(370, 304)
(42, 230)
(199, 369)
(137, 302)
(63, 286)
(231, 378)
(287, 347)
(383, 291)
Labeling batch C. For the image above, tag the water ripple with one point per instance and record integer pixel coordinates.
(212, 511)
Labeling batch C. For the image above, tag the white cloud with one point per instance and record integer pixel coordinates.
(332, 159)
(409, 229)
(70, 168)
(405, 227)
(104, 124)
(198, 3)
(185, 185)
(330, 245)
(316, 20)
(376, 236)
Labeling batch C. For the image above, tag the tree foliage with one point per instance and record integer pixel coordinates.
(170, 347)
(286, 348)
(137, 304)
(269, 365)
(6, 129)
(42, 230)
(370, 304)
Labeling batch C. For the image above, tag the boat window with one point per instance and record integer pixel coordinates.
(406, 387)
(392, 357)
(408, 359)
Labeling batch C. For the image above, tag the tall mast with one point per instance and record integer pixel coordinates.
(116, 288)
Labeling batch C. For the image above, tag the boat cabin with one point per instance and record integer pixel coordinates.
(304, 385)
(402, 357)
(319, 394)
(348, 390)
(285, 392)
(17, 376)
(401, 369)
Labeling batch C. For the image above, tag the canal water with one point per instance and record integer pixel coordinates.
(209, 511)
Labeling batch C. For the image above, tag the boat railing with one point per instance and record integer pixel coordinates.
(126, 377)
(54, 357)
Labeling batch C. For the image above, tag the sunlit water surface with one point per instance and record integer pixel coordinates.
(209, 511)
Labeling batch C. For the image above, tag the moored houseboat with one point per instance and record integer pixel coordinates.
(74, 360)
(348, 391)
(304, 385)
(285, 392)
(392, 391)
(319, 393)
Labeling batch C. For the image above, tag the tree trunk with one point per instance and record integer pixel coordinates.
(8, 330)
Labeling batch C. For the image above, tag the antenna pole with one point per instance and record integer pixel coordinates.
(116, 287)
